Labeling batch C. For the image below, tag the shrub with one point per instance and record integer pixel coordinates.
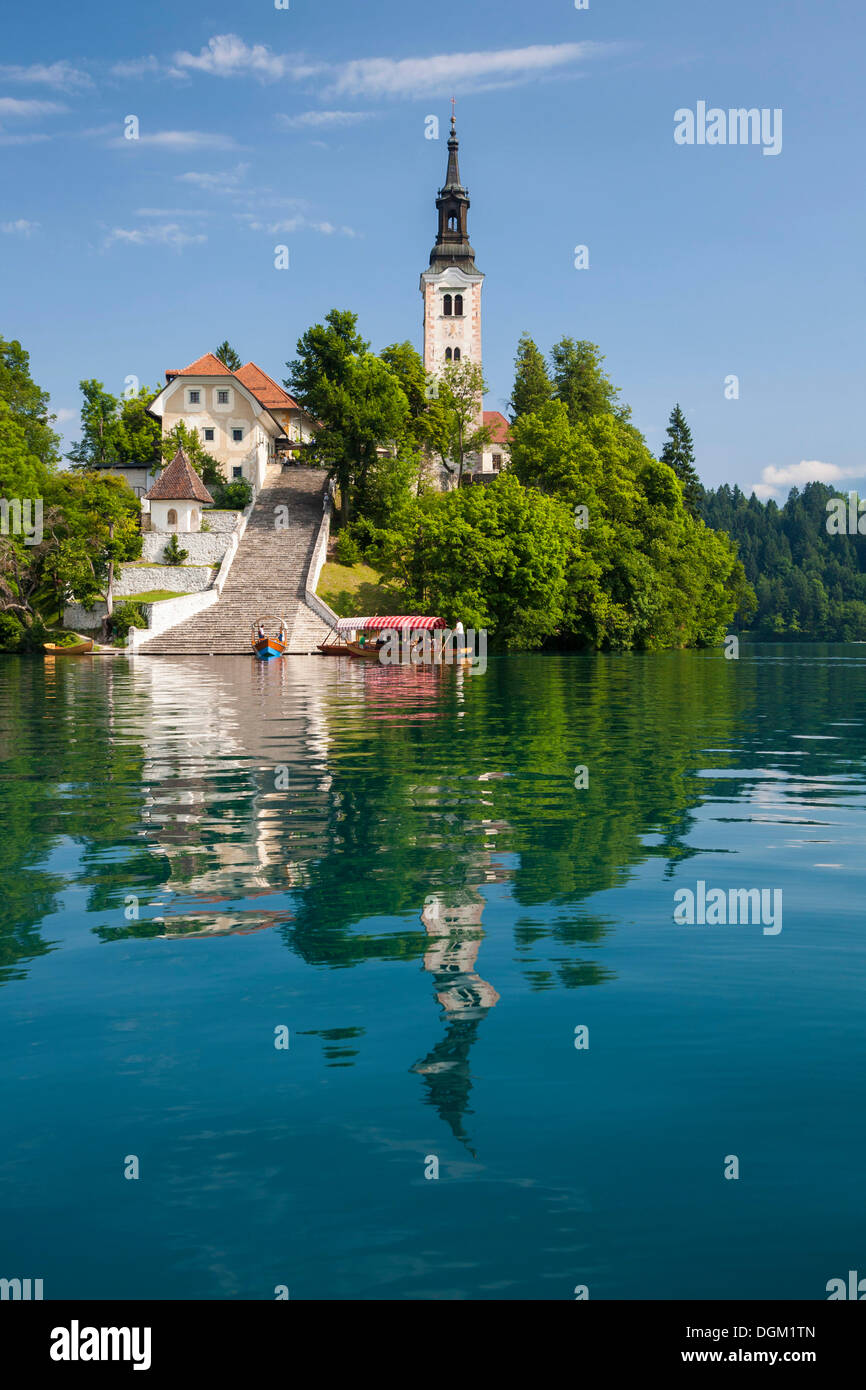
(173, 555)
(235, 496)
(11, 633)
(125, 616)
(347, 550)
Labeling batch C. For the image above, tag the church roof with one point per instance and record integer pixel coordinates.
(179, 483)
(498, 426)
(264, 388)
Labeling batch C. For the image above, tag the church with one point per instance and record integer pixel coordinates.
(451, 290)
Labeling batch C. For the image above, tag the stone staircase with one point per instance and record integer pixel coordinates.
(268, 575)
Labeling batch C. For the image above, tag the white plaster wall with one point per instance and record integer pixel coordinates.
(204, 548)
(183, 579)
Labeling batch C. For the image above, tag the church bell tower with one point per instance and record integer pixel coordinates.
(451, 287)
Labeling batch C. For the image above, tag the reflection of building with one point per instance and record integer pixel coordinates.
(453, 921)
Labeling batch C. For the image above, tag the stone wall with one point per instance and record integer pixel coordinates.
(180, 579)
(202, 547)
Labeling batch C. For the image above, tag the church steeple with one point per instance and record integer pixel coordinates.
(452, 203)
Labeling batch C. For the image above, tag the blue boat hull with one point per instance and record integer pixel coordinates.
(267, 649)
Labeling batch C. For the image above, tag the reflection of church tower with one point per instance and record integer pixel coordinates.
(452, 286)
(453, 920)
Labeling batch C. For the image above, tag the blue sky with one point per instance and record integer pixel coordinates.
(306, 127)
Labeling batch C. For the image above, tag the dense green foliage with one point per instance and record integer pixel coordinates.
(116, 432)
(809, 584)
(227, 355)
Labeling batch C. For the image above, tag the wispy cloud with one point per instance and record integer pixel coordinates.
(454, 72)
(64, 415)
(22, 109)
(181, 140)
(22, 139)
(171, 212)
(226, 181)
(798, 474)
(298, 222)
(137, 67)
(323, 120)
(61, 74)
(167, 234)
(226, 55)
(21, 227)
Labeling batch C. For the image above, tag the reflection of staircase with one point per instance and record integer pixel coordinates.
(268, 575)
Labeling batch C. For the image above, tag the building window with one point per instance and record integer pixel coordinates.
(237, 472)
(222, 397)
(497, 462)
(456, 354)
(447, 306)
(171, 519)
(447, 354)
(237, 436)
(194, 397)
(209, 434)
(452, 222)
(458, 304)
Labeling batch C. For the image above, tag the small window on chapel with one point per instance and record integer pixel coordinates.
(458, 304)
(456, 354)
(447, 307)
(448, 354)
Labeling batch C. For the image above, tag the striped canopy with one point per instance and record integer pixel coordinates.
(398, 624)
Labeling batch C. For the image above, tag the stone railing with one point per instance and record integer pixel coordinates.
(317, 560)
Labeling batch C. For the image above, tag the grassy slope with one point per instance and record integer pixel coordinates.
(356, 590)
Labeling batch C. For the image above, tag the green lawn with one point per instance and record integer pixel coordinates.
(151, 596)
(356, 590)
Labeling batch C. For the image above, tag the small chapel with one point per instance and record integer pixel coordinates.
(451, 290)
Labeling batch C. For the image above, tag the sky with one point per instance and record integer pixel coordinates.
(306, 127)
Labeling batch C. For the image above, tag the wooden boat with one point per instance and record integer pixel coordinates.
(269, 644)
(363, 637)
(74, 649)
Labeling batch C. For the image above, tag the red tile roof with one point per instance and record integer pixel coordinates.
(209, 365)
(264, 388)
(179, 483)
(497, 425)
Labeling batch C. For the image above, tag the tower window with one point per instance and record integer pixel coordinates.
(447, 307)
(448, 354)
(458, 303)
(452, 222)
(456, 354)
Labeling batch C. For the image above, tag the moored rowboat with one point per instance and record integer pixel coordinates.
(74, 649)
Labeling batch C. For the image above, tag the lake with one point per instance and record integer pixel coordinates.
(287, 939)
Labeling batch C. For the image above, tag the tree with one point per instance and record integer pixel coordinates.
(227, 355)
(532, 386)
(28, 403)
(455, 433)
(678, 453)
(100, 443)
(139, 435)
(356, 397)
(580, 383)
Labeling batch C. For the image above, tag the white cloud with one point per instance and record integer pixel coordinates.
(136, 67)
(64, 415)
(226, 55)
(22, 139)
(451, 72)
(798, 474)
(12, 106)
(318, 120)
(61, 74)
(21, 227)
(169, 234)
(225, 182)
(181, 140)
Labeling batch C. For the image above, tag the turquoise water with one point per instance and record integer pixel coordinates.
(396, 866)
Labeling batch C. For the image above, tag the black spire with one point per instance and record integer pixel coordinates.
(452, 203)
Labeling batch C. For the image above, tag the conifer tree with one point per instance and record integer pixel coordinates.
(678, 453)
(227, 355)
(532, 386)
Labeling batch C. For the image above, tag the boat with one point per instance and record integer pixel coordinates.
(269, 644)
(80, 648)
(364, 637)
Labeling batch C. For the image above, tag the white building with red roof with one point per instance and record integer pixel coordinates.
(244, 419)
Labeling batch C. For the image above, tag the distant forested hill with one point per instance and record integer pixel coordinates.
(809, 584)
